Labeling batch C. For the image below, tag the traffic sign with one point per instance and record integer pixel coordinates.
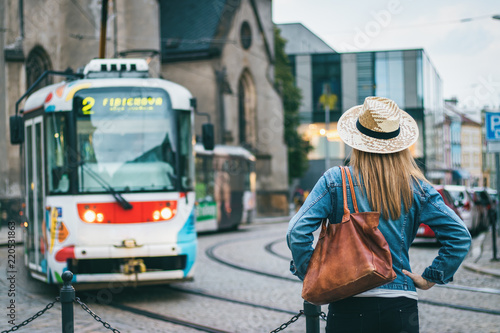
(492, 123)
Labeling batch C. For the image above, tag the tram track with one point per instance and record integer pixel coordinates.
(168, 319)
(186, 323)
(269, 248)
(210, 252)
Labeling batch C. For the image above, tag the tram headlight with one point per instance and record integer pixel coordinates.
(166, 213)
(156, 215)
(100, 217)
(90, 216)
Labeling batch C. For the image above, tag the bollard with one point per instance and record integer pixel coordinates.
(67, 296)
(312, 313)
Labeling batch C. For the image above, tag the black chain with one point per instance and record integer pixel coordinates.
(285, 325)
(96, 317)
(29, 320)
(323, 316)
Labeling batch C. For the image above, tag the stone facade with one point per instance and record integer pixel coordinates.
(60, 34)
(250, 70)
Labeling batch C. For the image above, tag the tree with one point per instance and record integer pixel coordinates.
(298, 148)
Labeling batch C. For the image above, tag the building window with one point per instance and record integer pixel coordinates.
(246, 35)
(326, 83)
(366, 80)
(246, 111)
(389, 76)
(37, 62)
(322, 140)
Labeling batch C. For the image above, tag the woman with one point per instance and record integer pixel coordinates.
(387, 180)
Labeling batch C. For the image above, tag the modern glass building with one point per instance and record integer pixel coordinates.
(331, 83)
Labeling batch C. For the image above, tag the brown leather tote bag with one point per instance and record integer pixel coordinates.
(350, 257)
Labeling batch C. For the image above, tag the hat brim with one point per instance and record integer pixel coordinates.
(351, 136)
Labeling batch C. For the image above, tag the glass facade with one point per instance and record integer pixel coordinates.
(405, 76)
(326, 83)
(366, 72)
(322, 139)
(389, 76)
(433, 118)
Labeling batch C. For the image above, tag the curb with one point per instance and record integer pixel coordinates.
(275, 219)
(482, 270)
(475, 255)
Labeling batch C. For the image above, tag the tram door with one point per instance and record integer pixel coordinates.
(34, 192)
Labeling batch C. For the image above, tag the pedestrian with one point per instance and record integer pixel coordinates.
(298, 198)
(386, 180)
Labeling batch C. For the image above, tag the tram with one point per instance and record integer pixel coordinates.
(109, 177)
(225, 187)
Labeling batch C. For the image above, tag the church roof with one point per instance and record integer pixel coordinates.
(189, 27)
(197, 29)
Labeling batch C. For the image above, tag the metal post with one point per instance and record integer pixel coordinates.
(312, 313)
(494, 223)
(104, 19)
(67, 296)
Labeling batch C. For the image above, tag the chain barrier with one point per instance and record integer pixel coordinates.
(29, 320)
(96, 317)
(285, 325)
(322, 315)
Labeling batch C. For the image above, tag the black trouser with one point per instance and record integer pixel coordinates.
(373, 315)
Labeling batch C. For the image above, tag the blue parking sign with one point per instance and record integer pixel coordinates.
(492, 123)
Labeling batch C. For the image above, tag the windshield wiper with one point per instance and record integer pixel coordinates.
(118, 197)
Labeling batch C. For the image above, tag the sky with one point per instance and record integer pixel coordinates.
(459, 36)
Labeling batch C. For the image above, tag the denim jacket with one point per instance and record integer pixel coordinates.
(326, 201)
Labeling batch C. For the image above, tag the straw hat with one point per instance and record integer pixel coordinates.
(377, 126)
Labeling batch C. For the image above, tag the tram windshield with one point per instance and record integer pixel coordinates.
(126, 140)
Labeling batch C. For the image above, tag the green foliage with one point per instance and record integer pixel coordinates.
(298, 148)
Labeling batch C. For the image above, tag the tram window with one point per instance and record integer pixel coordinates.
(128, 147)
(186, 168)
(57, 153)
(204, 178)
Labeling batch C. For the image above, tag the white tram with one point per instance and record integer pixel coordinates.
(225, 187)
(109, 177)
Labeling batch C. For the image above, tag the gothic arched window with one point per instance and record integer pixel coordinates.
(37, 62)
(247, 118)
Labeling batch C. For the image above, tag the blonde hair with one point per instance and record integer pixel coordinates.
(388, 180)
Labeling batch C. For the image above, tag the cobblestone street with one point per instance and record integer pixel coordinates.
(246, 248)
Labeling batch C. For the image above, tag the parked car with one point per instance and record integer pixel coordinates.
(486, 198)
(465, 201)
(424, 231)
(493, 195)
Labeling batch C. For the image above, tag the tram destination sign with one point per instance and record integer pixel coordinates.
(492, 124)
(119, 100)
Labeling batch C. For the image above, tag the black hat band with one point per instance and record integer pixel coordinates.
(377, 135)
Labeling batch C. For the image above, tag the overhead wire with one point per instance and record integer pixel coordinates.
(419, 25)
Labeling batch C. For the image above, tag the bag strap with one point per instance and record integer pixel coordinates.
(344, 193)
(344, 171)
(351, 186)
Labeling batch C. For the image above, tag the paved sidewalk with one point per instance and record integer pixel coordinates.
(480, 258)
